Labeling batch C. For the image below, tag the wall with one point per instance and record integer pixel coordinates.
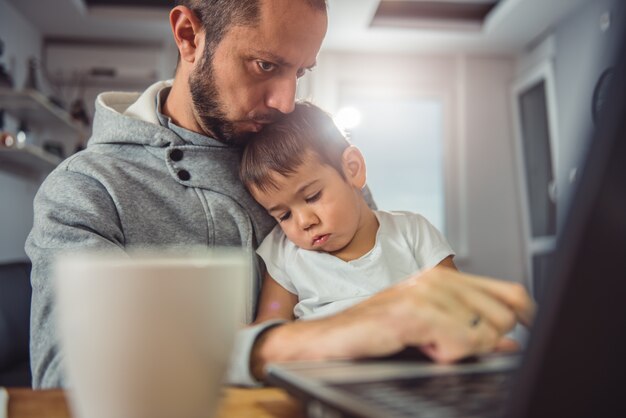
(482, 204)
(583, 51)
(491, 210)
(17, 190)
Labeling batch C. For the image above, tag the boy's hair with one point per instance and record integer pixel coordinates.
(282, 146)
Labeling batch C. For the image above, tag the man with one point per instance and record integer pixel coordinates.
(161, 169)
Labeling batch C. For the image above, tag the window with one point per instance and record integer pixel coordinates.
(402, 141)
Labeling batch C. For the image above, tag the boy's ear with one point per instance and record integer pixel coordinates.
(188, 33)
(354, 166)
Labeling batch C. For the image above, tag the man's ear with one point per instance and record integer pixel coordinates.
(354, 166)
(188, 33)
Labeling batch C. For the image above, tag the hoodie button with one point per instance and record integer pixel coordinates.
(184, 175)
(176, 155)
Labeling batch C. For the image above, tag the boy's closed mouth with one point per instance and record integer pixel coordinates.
(320, 239)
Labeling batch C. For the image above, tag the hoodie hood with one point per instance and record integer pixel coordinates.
(130, 118)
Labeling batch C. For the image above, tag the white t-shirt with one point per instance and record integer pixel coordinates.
(405, 244)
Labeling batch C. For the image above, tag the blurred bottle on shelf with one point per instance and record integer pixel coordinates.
(19, 140)
(31, 78)
(78, 111)
(5, 77)
(23, 135)
(7, 140)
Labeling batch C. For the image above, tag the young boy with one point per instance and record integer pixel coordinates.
(329, 249)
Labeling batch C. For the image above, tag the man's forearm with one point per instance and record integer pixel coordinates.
(320, 339)
(291, 341)
(265, 349)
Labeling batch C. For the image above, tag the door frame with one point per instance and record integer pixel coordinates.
(542, 72)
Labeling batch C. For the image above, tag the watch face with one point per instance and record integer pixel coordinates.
(600, 93)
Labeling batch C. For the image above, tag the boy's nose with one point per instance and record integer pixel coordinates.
(307, 219)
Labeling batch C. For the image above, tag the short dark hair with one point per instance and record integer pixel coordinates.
(282, 146)
(217, 16)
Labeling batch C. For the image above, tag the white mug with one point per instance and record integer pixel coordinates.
(148, 335)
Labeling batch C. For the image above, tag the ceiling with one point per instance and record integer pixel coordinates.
(469, 14)
(503, 26)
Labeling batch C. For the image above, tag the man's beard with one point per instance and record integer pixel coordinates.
(210, 110)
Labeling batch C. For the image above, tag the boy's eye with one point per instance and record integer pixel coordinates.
(284, 216)
(265, 66)
(314, 198)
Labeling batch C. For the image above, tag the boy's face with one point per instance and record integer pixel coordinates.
(316, 207)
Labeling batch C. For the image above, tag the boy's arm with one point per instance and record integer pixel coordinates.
(447, 262)
(275, 302)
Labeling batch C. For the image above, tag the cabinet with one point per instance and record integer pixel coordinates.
(34, 109)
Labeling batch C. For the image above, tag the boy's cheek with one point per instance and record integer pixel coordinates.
(288, 232)
(293, 237)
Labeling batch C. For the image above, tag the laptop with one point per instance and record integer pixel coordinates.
(575, 361)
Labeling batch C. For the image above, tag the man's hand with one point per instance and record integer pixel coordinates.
(447, 314)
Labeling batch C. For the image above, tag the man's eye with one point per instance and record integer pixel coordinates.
(314, 198)
(284, 216)
(266, 66)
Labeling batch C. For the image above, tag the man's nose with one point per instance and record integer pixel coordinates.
(306, 219)
(282, 95)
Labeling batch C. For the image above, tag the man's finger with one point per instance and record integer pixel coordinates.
(506, 345)
(449, 339)
(482, 305)
(514, 295)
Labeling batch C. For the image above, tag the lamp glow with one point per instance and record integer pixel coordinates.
(348, 118)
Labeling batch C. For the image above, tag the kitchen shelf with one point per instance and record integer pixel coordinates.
(28, 157)
(34, 109)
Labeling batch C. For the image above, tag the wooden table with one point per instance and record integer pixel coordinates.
(240, 403)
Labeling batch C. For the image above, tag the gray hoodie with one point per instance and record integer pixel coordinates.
(138, 184)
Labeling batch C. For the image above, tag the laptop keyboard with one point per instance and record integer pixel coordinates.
(460, 395)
